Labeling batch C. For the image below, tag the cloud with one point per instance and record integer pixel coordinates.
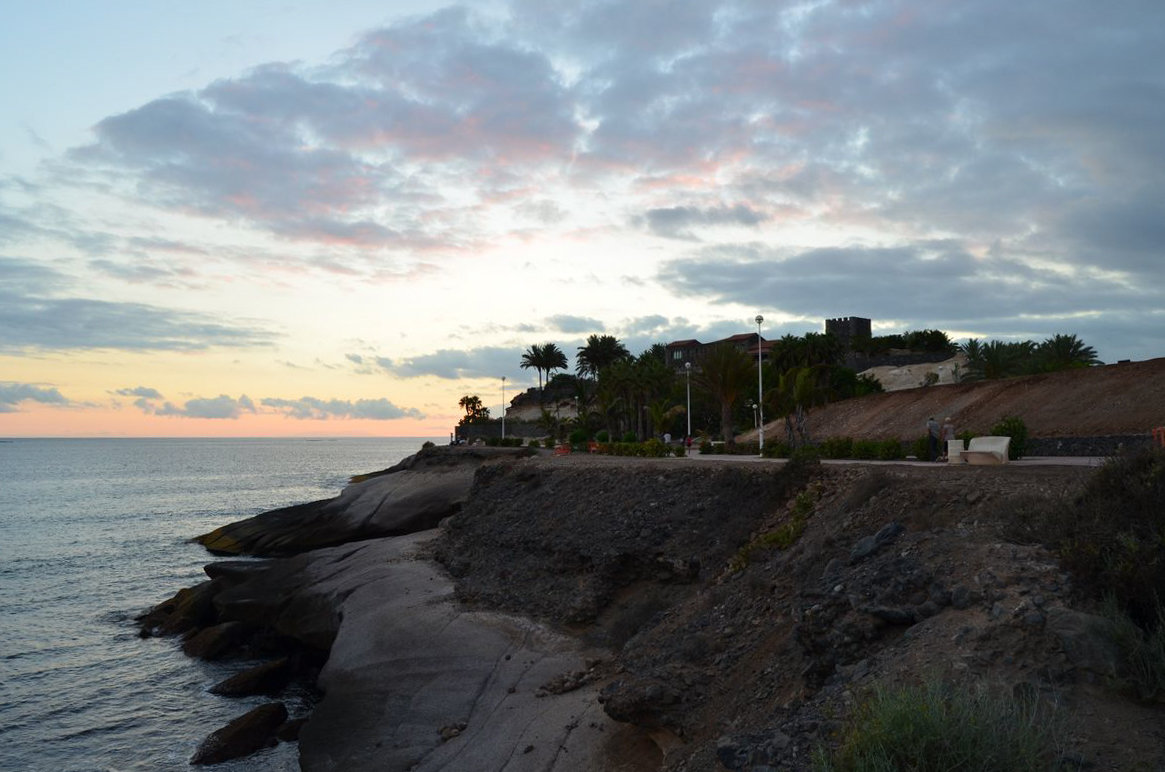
(220, 407)
(34, 316)
(573, 325)
(677, 222)
(485, 362)
(319, 409)
(922, 285)
(145, 392)
(354, 358)
(13, 393)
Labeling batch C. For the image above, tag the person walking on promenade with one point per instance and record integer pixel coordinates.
(947, 434)
(932, 432)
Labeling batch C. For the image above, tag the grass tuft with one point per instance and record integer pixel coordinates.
(938, 726)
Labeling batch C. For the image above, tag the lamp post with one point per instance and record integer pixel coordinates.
(688, 379)
(760, 391)
(503, 407)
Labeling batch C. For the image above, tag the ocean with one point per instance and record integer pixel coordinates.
(95, 531)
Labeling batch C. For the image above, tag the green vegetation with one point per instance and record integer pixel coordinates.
(544, 358)
(1002, 359)
(782, 537)
(915, 340)
(1016, 429)
(475, 411)
(935, 726)
(1112, 540)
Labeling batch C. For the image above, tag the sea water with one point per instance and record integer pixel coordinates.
(95, 531)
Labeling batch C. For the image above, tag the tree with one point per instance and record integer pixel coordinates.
(553, 359)
(798, 389)
(543, 358)
(600, 351)
(1064, 352)
(726, 373)
(534, 357)
(475, 412)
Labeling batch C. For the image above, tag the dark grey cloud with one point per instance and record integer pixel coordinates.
(677, 222)
(35, 315)
(925, 285)
(320, 409)
(13, 393)
(220, 407)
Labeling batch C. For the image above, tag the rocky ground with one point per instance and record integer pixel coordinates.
(732, 657)
(581, 612)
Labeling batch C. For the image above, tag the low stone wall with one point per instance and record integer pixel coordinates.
(1086, 446)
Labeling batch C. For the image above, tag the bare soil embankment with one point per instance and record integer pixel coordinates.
(1122, 399)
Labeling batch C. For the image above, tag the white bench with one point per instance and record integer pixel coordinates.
(987, 450)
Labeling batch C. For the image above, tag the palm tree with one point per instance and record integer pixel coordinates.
(601, 351)
(1063, 352)
(552, 359)
(973, 350)
(726, 373)
(545, 359)
(534, 357)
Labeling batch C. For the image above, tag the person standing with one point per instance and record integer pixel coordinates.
(932, 433)
(947, 434)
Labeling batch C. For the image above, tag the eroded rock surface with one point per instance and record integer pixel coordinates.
(414, 495)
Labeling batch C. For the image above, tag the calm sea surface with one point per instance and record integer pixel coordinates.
(92, 533)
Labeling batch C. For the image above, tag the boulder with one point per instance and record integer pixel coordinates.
(216, 641)
(267, 678)
(190, 608)
(246, 734)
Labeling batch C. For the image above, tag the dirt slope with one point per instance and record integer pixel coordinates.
(1118, 399)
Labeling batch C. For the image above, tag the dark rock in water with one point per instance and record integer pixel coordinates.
(289, 732)
(217, 641)
(414, 495)
(268, 678)
(190, 608)
(246, 734)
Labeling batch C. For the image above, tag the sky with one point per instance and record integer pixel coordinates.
(302, 218)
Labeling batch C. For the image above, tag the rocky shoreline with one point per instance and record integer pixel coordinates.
(599, 613)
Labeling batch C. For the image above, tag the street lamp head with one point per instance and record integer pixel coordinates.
(759, 319)
(688, 366)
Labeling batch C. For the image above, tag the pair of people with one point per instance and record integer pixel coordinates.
(936, 434)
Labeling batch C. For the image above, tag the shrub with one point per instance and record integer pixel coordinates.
(920, 448)
(428, 444)
(534, 442)
(888, 450)
(865, 449)
(603, 436)
(776, 450)
(654, 448)
(1016, 429)
(679, 450)
(1111, 537)
(630, 437)
(937, 726)
(837, 447)
(707, 448)
(1143, 651)
(577, 437)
